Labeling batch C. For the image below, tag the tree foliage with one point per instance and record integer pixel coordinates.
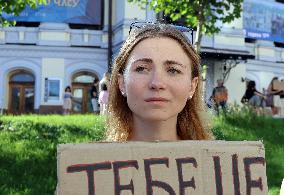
(200, 14)
(15, 7)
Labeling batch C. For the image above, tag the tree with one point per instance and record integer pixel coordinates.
(199, 14)
(15, 7)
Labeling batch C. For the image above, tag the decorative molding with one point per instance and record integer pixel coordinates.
(232, 32)
(31, 51)
(45, 35)
(53, 26)
(73, 67)
(265, 66)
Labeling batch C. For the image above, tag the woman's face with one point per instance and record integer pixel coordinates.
(157, 79)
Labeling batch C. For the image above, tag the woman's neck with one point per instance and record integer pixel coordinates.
(145, 130)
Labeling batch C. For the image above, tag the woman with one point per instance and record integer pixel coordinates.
(252, 96)
(67, 100)
(104, 80)
(155, 91)
(103, 99)
(274, 98)
(282, 102)
(94, 96)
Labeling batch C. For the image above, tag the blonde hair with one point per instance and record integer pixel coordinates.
(191, 123)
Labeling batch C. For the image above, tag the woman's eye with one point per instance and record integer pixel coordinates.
(140, 69)
(174, 70)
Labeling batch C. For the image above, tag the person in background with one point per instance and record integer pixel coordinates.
(274, 97)
(94, 96)
(253, 97)
(67, 100)
(282, 102)
(220, 96)
(156, 88)
(104, 80)
(103, 99)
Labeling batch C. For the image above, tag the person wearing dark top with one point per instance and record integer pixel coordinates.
(252, 96)
(94, 96)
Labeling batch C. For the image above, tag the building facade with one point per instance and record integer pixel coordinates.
(38, 61)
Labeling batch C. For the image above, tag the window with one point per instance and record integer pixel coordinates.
(84, 77)
(22, 77)
(52, 89)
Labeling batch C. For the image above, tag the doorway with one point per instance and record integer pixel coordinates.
(21, 93)
(82, 83)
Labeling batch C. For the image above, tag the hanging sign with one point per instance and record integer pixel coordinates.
(65, 11)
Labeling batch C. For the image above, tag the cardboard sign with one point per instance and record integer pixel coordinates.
(168, 168)
(278, 85)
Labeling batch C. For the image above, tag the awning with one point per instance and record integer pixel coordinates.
(207, 52)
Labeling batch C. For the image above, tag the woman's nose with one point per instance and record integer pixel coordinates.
(157, 81)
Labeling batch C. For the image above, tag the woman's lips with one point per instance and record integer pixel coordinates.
(156, 99)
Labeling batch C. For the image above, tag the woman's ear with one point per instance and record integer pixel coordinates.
(121, 84)
(193, 86)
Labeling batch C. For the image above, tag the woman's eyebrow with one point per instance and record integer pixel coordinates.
(171, 62)
(167, 62)
(148, 60)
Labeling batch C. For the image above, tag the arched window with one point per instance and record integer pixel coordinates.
(83, 77)
(22, 76)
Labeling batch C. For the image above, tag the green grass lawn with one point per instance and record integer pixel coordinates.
(28, 149)
(28, 146)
